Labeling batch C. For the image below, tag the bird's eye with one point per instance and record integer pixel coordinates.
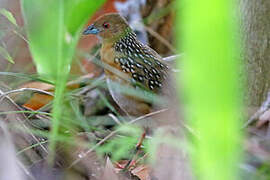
(106, 25)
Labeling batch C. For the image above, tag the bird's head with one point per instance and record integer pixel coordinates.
(108, 27)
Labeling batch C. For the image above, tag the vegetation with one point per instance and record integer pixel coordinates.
(56, 111)
(211, 86)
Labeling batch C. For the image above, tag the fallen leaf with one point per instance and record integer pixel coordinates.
(142, 172)
(264, 118)
(37, 101)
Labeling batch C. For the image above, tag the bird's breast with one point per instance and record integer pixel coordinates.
(107, 53)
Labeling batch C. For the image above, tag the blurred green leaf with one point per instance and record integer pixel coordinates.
(212, 88)
(9, 16)
(78, 13)
(4, 53)
(53, 28)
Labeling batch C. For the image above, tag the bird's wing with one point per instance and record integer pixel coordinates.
(144, 65)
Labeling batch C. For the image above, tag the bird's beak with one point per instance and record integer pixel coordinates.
(91, 30)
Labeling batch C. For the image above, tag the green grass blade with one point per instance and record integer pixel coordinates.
(4, 53)
(9, 16)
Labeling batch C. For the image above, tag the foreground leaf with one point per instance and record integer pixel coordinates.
(53, 28)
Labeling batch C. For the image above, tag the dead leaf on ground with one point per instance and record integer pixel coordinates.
(142, 172)
(264, 118)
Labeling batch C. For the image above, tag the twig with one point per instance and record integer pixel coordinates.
(148, 115)
(90, 87)
(3, 95)
(141, 158)
(173, 57)
(93, 148)
(21, 36)
(114, 118)
(160, 38)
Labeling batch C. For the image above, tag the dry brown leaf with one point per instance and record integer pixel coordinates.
(142, 172)
(264, 118)
(37, 101)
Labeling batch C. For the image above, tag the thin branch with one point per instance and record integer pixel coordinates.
(114, 118)
(148, 115)
(2, 96)
(160, 38)
(173, 57)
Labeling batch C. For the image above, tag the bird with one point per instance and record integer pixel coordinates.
(135, 65)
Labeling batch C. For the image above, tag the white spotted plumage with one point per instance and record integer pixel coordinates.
(140, 61)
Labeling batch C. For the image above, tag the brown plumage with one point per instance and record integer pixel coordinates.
(143, 67)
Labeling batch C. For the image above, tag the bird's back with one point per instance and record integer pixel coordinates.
(142, 66)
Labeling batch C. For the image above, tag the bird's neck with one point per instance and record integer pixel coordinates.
(127, 32)
(117, 37)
